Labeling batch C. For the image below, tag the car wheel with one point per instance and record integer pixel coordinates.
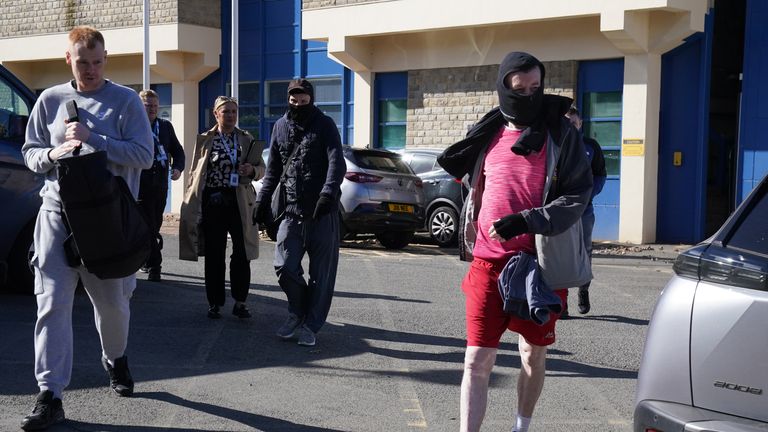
(443, 226)
(21, 279)
(395, 239)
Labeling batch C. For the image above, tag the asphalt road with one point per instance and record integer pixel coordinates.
(389, 359)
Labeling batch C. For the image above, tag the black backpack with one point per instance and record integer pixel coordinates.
(108, 231)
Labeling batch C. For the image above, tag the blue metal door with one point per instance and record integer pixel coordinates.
(600, 102)
(683, 123)
(753, 150)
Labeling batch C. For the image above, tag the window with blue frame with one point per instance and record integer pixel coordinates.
(328, 97)
(391, 91)
(275, 99)
(248, 115)
(392, 115)
(602, 122)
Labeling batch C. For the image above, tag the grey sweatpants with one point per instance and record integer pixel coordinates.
(55, 284)
(310, 300)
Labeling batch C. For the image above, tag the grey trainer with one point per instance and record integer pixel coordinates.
(306, 336)
(288, 329)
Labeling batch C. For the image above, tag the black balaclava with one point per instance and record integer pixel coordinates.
(517, 108)
(300, 114)
(522, 110)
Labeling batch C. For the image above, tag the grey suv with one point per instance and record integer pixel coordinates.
(381, 195)
(443, 195)
(705, 361)
(19, 187)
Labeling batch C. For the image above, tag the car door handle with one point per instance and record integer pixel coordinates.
(431, 181)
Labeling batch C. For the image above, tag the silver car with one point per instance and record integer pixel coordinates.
(380, 195)
(705, 361)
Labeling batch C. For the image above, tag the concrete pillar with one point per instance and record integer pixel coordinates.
(640, 143)
(184, 114)
(363, 134)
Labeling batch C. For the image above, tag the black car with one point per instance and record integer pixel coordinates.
(19, 187)
(443, 195)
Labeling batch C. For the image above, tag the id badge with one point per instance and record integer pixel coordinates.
(234, 179)
(161, 156)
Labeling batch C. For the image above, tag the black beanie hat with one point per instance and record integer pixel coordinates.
(301, 85)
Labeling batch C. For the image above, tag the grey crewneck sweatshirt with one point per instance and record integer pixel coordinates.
(118, 122)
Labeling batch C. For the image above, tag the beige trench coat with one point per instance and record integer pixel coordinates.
(191, 243)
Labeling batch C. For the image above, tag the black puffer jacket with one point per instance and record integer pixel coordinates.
(316, 168)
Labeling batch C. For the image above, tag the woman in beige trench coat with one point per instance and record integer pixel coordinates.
(219, 200)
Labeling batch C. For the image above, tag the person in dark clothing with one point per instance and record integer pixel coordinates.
(597, 162)
(153, 189)
(311, 183)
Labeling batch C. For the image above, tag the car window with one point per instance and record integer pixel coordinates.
(381, 162)
(14, 112)
(421, 163)
(752, 232)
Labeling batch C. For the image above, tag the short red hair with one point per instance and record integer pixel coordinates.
(87, 35)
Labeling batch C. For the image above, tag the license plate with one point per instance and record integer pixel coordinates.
(401, 208)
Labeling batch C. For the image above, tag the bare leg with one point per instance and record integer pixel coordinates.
(478, 362)
(533, 360)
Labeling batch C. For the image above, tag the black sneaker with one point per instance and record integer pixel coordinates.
(47, 412)
(119, 376)
(213, 312)
(584, 300)
(241, 311)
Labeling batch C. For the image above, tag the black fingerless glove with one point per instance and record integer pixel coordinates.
(323, 206)
(511, 226)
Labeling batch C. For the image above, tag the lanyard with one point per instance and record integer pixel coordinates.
(232, 153)
(156, 130)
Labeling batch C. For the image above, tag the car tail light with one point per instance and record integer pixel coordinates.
(718, 265)
(418, 182)
(688, 262)
(359, 177)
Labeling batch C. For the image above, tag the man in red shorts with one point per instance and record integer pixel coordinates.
(528, 174)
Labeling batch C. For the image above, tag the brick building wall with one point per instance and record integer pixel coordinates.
(444, 103)
(36, 17)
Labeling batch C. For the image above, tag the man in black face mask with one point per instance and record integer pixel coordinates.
(306, 157)
(528, 176)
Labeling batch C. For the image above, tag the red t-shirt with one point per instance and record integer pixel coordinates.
(512, 183)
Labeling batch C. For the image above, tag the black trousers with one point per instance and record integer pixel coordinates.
(221, 216)
(153, 195)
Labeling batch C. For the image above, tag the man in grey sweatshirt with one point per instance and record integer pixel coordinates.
(110, 118)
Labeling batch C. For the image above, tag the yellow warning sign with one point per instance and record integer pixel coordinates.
(633, 147)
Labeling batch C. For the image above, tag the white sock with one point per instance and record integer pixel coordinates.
(521, 424)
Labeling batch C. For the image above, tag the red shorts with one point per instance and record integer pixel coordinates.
(486, 320)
